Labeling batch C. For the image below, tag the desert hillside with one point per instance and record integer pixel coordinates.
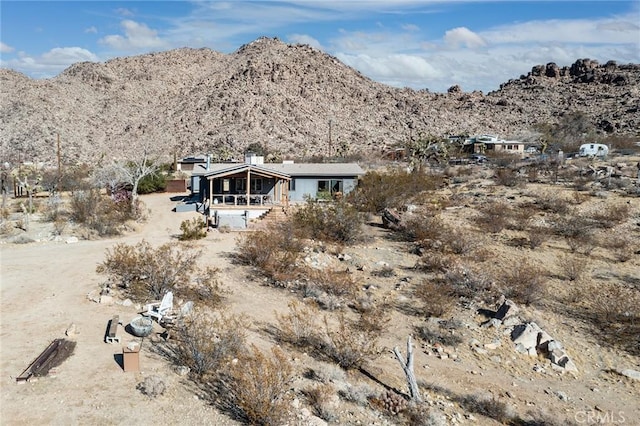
(293, 99)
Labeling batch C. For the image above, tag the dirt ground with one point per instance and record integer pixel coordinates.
(44, 289)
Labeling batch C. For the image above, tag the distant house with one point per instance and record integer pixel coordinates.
(234, 193)
(484, 144)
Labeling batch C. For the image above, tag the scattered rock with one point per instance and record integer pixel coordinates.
(72, 330)
(106, 300)
(632, 374)
(72, 240)
(507, 309)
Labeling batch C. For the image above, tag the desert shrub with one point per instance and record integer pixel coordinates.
(384, 272)
(425, 228)
(53, 210)
(102, 214)
(154, 182)
(338, 222)
(493, 216)
(257, 387)
(537, 235)
(322, 398)
(374, 317)
(466, 282)
(552, 202)
(488, 406)
(349, 345)
(437, 297)
(299, 326)
(204, 289)
(274, 251)
(377, 191)
(333, 283)
(506, 176)
(438, 334)
(207, 343)
(621, 244)
(572, 267)
(192, 229)
(152, 386)
(422, 415)
(146, 273)
(519, 217)
(59, 225)
(615, 310)
(610, 215)
(577, 231)
(390, 403)
(524, 283)
(435, 262)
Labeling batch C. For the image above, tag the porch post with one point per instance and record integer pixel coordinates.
(248, 188)
(210, 194)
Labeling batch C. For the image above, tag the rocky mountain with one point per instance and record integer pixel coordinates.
(293, 99)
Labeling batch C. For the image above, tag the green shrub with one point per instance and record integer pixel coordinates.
(192, 229)
(377, 191)
(337, 222)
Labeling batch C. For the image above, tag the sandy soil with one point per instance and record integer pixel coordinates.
(44, 287)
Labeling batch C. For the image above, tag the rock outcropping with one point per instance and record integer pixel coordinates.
(293, 99)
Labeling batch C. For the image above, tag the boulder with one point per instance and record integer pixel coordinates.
(632, 374)
(507, 309)
(526, 335)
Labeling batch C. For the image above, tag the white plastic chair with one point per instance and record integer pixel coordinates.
(160, 309)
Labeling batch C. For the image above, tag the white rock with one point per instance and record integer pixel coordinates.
(632, 374)
(106, 300)
(72, 240)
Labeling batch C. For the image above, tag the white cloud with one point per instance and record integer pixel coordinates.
(124, 12)
(304, 39)
(5, 48)
(91, 30)
(137, 36)
(463, 37)
(410, 27)
(50, 63)
(392, 68)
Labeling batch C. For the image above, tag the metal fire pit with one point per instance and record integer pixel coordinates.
(141, 326)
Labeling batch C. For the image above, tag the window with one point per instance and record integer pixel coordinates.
(292, 185)
(323, 186)
(256, 185)
(330, 186)
(241, 185)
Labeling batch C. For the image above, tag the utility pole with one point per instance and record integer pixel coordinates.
(330, 123)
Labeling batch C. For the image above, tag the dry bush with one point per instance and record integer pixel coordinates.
(552, 202)
(102, 214)
(422, 415)
(524, 283)
(437, 298)
(374, 317)
(204, 290)
(537, 235)
(145, 273)
(192, 229)
(443, 333)
(579, 197)
(520, 217)
(488, 406)
(152, 386)
(299, 326)
(493, 216)
(256, 387)
(435, 262)
(615, 311)
(506, 176)
(206, 343)
(577, 231)
(572, 267)
(359, 394)
(467, 282)
(610, 215)
(333, 283)
(425, 228)
(348, 344)
(322, 400)
(621, 244)
(338, 222)
(274, 251)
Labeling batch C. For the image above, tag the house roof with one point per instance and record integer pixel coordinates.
(221, 170)
(284, 170)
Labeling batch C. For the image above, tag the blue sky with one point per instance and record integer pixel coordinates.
(404, 43)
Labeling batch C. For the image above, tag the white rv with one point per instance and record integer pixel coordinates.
(593, 150)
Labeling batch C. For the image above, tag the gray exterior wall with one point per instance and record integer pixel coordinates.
(307, 186)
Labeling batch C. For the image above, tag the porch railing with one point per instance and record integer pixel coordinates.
(242, 200)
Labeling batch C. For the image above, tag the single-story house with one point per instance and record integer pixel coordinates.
(490, 143)
(234, 193)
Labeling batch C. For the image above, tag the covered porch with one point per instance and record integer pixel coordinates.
(245, 186)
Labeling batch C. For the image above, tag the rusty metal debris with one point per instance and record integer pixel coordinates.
(52, 356)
